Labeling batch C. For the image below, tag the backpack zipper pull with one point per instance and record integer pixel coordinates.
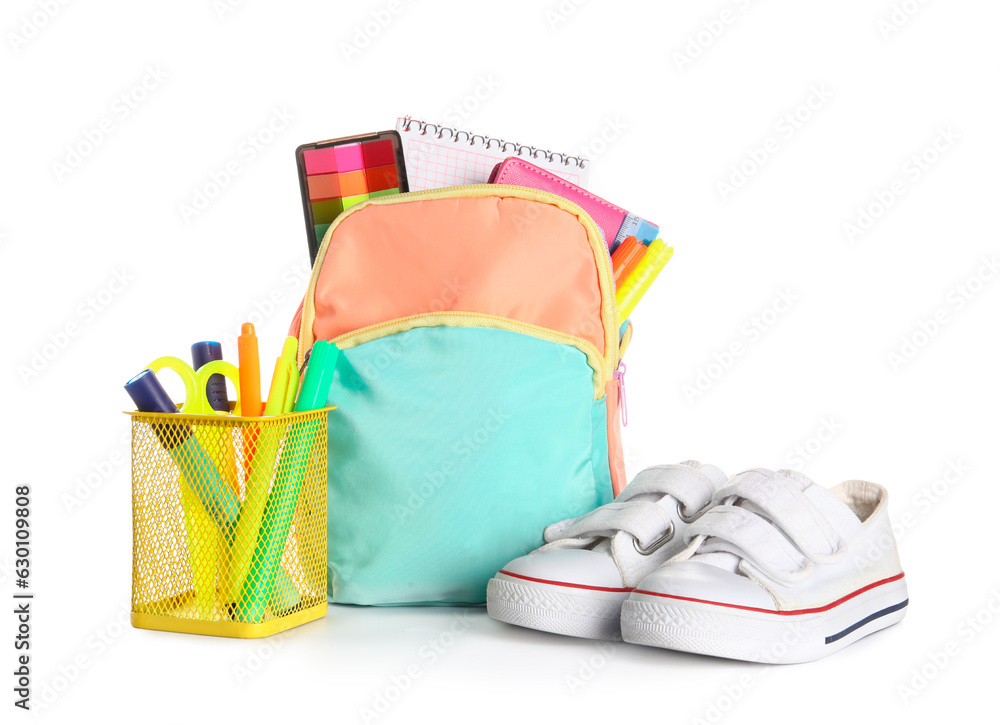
(619, 376)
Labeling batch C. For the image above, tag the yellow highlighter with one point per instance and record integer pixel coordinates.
(280, 399)
(204, 545)
(642, 277)
(285, 381)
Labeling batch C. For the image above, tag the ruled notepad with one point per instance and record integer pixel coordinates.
(438, 156)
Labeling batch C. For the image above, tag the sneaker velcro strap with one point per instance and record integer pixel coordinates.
(645, 520)
(688, 485)
(782, 500)
(748, 535)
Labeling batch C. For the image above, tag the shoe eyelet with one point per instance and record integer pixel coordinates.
(688, 519)
(667, 536)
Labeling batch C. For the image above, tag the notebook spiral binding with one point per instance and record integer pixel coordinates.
(519, 149)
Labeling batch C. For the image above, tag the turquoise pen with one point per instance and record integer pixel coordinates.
(284, 497)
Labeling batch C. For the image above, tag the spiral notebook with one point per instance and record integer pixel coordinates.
(438, 156)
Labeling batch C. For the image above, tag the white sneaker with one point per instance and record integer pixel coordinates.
(780, 570)
(577, 582)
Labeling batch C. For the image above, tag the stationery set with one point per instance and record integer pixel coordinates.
(451, 384)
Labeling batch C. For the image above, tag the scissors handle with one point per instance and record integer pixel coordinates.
(220, 367)
(187, 376)
(195, 383)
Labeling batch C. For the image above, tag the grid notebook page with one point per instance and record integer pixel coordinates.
(438, 156)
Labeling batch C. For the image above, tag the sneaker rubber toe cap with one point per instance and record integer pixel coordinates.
(580, 567)
(705, 583)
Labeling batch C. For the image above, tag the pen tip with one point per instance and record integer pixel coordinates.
(247, 328)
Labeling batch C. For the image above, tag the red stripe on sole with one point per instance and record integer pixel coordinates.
(789, 612)
(622, 590)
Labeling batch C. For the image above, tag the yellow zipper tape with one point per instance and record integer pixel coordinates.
(609, 312)
(626, 339)
(478, 319)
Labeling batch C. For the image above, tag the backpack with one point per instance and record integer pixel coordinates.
(477, 389)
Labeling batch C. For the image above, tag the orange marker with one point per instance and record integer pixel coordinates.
(626, 244)
(246, 345)
(619, 256)
(633, 262)
(626, 258)
(249, 372)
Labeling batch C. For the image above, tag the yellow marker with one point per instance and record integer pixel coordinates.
(642, 277)
(280, 399)
(285, 381)
(286, 593)
(203, 546)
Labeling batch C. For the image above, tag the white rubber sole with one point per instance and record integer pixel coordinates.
(571, 609)
(756, 635)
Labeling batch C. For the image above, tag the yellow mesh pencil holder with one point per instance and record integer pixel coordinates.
(228, 522)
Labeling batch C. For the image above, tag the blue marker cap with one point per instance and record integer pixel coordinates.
(215, 391)
(203, 352)
(148, 394)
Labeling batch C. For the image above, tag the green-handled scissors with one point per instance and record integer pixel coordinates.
(196, 381)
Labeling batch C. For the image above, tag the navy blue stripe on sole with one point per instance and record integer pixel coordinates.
(870, 618)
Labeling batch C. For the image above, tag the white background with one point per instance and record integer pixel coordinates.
(608, 78)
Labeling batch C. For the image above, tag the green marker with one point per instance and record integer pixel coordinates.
(284, 497)
(280, 400)
(319, 377)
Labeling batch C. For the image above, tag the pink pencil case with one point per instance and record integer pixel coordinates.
(615, 222)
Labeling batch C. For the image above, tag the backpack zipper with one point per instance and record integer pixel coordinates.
(619, 377)
(439, 319)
